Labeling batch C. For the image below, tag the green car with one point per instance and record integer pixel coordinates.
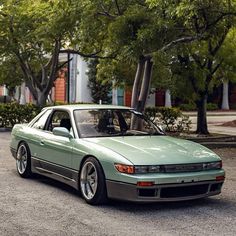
(114, 152)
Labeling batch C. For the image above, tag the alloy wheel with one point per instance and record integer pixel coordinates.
(21, 159)
(88, 180)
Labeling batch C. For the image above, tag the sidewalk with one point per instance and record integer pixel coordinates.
(215, 119)
(213, 113)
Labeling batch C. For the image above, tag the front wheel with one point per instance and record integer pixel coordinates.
(92, 182)
(23, 162)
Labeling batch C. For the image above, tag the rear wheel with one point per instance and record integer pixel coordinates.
(23, 161)
(92, 182)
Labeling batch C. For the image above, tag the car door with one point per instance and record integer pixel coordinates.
(52, 154)
(57, 150)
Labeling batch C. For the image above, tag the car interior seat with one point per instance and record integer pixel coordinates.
(65, 122)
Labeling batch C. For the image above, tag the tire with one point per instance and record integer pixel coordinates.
(23, 161)
(92, 182)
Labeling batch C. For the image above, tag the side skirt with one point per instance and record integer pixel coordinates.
(54, 171)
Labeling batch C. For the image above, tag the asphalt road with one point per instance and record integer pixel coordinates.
(41, 206)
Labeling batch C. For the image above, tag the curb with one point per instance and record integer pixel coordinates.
(193, 114)
(219, 144)
(5, 129)
(213, 139)
(216, 142)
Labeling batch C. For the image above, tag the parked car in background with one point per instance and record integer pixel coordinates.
(114, 152)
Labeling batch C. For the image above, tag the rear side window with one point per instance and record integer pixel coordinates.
(41, 122)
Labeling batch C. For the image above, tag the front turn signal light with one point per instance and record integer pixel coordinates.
(128, 169)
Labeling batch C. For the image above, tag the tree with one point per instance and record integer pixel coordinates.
(129, 32)
(227, 70)
(134, 31)
(32, 34)
(198, 60)
(99, 89)
(10, 73)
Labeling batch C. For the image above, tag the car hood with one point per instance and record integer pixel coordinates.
(151, 150)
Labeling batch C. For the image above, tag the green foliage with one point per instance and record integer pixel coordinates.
(10, 73)
(193, 107)
(227, 57)
(99, 89)
(212, 107)
(123, 31)
(13, 113)
(171, 118)
(188, 107)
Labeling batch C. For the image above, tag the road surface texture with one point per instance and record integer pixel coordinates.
(41, 206)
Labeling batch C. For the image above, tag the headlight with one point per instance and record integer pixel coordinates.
(212, 165)
(147, 169)
(129, 169)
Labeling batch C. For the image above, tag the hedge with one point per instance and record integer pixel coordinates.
(13, 113)
(172, 119)
(193, 107)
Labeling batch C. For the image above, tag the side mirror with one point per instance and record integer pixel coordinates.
(61, 131)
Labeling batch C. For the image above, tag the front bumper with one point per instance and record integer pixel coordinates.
(13, 152)
(163, 192)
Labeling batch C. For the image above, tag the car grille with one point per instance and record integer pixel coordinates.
(182, 168)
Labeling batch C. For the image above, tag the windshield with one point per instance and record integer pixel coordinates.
(113, 122)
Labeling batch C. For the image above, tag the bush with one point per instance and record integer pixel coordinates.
(171, 118)
(192, 107)
(188, 107)
(13, 113)
(212, 107)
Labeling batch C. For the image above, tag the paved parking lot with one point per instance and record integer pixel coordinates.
(41, 206)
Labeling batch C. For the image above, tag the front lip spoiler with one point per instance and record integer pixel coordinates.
(129, 192)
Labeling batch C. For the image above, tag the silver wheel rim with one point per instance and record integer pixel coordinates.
(88, 180)
(21, 159)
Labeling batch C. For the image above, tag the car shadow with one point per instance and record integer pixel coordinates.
(162, 206)
(52, 183)
(124, 206)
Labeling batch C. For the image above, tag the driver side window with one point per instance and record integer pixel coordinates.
(60, 119)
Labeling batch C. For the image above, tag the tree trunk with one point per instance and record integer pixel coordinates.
(201, 115)
(114, 94)
(22, 94)
(41, 87)
(42, 98)
(137, 83)
(225, 99)
(145, 85)
(167, 98)
(139, 99)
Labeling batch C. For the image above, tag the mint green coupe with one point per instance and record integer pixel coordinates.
(114, 152)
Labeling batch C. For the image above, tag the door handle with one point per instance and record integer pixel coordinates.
(41, 143)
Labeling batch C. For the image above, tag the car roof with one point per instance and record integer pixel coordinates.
(87, 106)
